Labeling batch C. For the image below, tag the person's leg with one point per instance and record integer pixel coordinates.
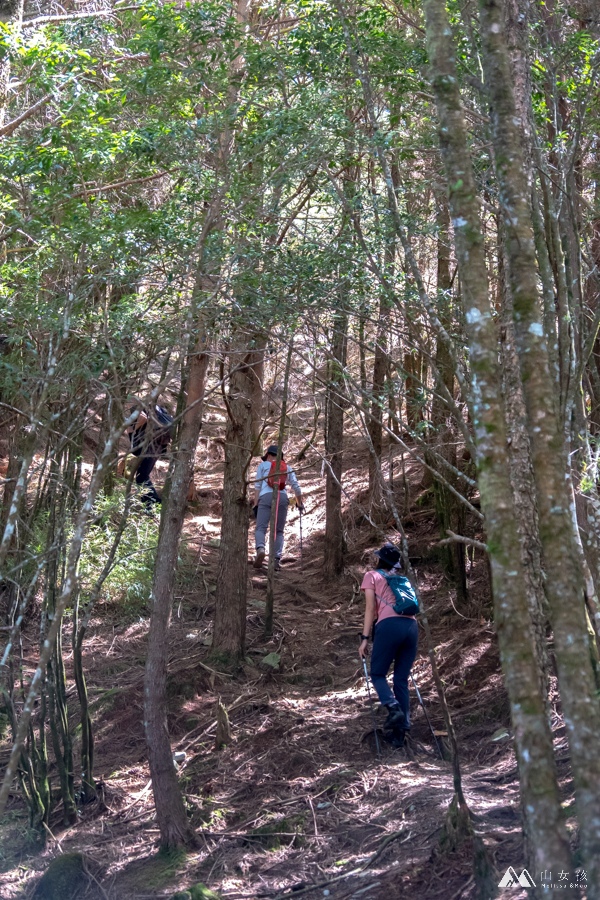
(142, 477)
(263, 516)
(405, 657)
(384, 652)
(281, 518)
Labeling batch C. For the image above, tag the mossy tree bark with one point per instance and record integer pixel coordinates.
(564, 577)
(547, 837)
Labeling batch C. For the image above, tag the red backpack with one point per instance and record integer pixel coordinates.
(282, 475)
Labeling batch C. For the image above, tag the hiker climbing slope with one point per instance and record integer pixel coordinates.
(263, 498)
(392, 604)
(149, 439)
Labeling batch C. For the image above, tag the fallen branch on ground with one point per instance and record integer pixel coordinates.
(313, 887)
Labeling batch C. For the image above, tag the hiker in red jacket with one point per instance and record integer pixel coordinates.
(263, 498)
(395, 641)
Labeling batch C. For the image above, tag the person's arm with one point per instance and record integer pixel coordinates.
(293, 481)
(258, 483)
(370, 612)
(139, 423)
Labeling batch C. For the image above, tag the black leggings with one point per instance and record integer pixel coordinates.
(142, 476)
(396, 640)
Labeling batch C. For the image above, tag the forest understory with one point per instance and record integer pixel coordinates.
(297, 803)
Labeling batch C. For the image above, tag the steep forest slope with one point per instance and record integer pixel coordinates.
(298, 795)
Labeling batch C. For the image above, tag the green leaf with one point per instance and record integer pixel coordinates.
(271, 659)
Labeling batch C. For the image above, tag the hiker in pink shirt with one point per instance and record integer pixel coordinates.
(395, 640)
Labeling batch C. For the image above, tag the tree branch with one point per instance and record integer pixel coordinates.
(117, 184)
(49, 20)
(8, 129)
(461, 539)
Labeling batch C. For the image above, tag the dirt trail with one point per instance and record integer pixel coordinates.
(298, 797)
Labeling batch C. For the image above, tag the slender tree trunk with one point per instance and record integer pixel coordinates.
(378, 402)
(362, 319)
(413, 364)
(257, 364)
(546, 834)
(275, 496)
(232, 576)
(522, 478)
(564, 579)
(334, 445)
(170, 810)
(68, 588)
(448, 513)
(11, 14)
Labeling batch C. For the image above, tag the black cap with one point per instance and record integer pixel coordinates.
(271, 451)
(388, 554)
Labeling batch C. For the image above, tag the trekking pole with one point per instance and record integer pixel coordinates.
(300, 511)
(364, 662)
(420, 699)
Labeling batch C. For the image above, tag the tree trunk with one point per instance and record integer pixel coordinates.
(232, 577)
(546, 834)
(170, 810)
(334, 445)
(522, 478)
(448, 512)
(269, 609)
(564, 581)
(257, 364)
(11, 14)
(412, 366)
(378, 405)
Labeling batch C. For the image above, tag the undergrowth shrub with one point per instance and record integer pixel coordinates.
(129, 584)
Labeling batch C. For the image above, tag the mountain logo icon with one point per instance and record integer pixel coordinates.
(511, 879)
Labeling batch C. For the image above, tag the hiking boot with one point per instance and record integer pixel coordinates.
(395, 719)
(259, 558)
(398, 738)
(277, 564)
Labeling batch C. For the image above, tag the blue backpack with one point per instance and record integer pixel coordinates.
(406, 600)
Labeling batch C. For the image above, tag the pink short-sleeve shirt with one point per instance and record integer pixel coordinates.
(384, 596)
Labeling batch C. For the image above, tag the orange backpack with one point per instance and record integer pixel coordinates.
(282, 475)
